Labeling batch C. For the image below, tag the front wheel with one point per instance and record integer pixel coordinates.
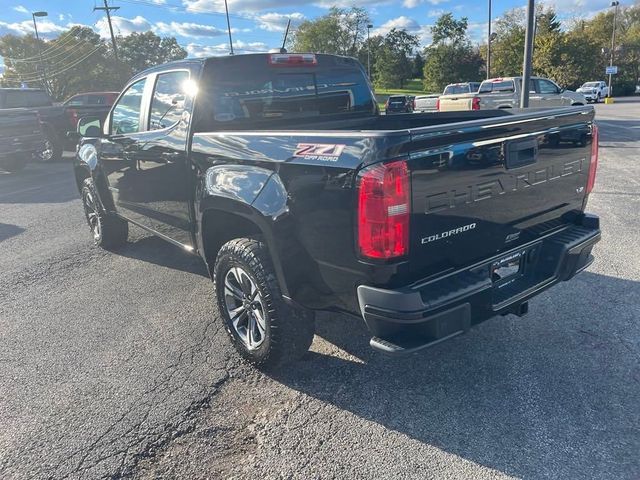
(108, 230)
(264, 330)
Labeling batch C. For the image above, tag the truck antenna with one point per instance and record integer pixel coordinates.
(286, 34)
(226, 8)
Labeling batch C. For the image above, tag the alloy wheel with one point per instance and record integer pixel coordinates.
(245, 307)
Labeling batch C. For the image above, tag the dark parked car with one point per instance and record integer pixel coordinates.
(56, 121)
(399, 104)
(279, 171)
(20, 138)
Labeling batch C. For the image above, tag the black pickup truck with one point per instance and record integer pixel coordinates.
(56, 120)
(21, 138)
(280, 172)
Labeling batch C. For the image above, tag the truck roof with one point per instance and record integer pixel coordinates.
(229, 58)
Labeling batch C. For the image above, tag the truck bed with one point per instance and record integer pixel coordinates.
(482, 182)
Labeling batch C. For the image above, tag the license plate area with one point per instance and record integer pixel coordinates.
(508, 269)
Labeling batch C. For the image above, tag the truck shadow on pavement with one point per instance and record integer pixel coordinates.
(7, 231)
(551, 395)
(154, 250)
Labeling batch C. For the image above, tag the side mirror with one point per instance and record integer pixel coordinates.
(89, 127)
(561, 89)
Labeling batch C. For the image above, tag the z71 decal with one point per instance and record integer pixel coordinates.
(319, 151)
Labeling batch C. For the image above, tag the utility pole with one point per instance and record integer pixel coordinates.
(528, 54)
(613, 45)
(226, 8)
(489, 45)
(108, 9)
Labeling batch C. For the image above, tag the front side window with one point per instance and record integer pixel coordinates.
(126, 114)
(169, 95)
(547, 87)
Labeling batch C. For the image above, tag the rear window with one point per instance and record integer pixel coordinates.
(397, 99)
(26, 98)
(497, 86)
(456, 89)
(248, 90)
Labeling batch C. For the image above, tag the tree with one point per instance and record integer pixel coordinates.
(450, 58)
(139, 51)
(418, 66)
(394, 66)
(78, 60)
(340, 32)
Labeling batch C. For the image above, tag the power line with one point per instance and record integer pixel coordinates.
(35, 59)
(68, 67)
(64, 51)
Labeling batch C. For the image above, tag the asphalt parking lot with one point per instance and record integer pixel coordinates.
(114, 364)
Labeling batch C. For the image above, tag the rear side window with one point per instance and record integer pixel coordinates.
(126, 114)
(250, 91)
(497, 86)
(456, 89)
(167, 104)
(26, 98)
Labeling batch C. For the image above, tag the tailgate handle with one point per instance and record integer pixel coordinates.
(521, 153)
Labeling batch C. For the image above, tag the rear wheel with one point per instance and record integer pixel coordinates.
(52, 151)
(108, 230)
(264, 330)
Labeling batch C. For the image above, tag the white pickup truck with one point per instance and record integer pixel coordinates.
(594, 91)
(505, 93)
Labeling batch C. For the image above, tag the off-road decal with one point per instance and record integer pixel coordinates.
(319, 151)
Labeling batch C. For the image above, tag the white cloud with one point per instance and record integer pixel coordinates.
(198, 50)
(46, 28)
(190, 30)
(277, 22)
(122, 26)
(198, 6)
(21, 9)
(436, 12)
(415, 3)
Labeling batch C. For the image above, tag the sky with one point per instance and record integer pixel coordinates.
(257, 25)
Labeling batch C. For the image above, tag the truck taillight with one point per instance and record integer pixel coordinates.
(292, 59)
(72, 113)
(475, 103)
(438, 104)
(593, 166)
(384, 199)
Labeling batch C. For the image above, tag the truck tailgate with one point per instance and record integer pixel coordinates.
(456, 103)
(487, 186)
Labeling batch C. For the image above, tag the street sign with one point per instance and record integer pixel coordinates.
(611, 70)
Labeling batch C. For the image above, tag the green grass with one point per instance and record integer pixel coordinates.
(412, 87)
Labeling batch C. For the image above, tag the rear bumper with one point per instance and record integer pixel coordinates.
(426, 313)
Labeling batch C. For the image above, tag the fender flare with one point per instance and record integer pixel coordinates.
(253, 193)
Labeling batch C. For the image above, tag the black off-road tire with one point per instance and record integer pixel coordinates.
(289, 330)
(52, 151)
(14, 164)
(109, 231)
